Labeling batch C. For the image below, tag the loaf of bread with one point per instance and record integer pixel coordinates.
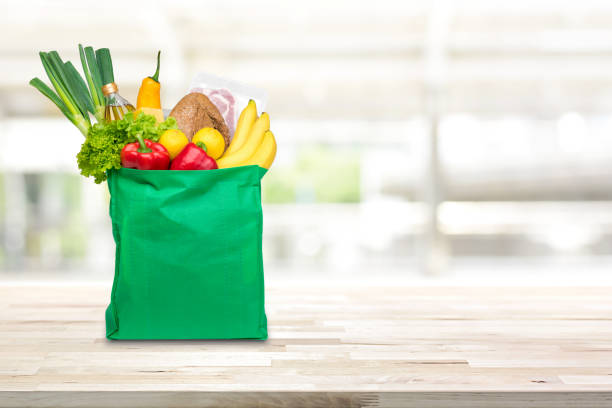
(194, 112)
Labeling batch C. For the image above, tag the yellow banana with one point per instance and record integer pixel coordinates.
(250, 145)
(264, 156)
(245, 123)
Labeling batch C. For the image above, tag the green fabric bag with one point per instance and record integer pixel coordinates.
(188, 263)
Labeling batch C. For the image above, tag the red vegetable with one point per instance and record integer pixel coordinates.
(193, 157)
(145, 155)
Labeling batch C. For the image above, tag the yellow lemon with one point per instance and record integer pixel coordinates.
(174, 141)
(214, 141)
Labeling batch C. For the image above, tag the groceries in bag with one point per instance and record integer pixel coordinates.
(202, 132)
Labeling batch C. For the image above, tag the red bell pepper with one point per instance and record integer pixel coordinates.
(145, 155)
(193, 157)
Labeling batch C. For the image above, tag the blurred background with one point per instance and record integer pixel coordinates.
(431, 141)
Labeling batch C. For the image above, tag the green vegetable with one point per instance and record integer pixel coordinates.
(72, 95)
(65, 99)
(94, 80)
(105, 64)
(101, 150)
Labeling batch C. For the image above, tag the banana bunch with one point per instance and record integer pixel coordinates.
(253, 141)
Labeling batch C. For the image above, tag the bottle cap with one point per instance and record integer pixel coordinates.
(109, 89)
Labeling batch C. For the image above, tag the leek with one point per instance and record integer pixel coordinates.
(94, 80)
(75, 97)
(105, 64)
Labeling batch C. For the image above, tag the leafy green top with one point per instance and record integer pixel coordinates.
(101, 150)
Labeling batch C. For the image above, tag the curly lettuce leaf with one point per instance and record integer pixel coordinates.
(101, 150)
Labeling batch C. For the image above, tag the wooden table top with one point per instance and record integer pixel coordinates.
(328, 346)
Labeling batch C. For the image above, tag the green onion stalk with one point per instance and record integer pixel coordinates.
(74, 97)
(94, 80)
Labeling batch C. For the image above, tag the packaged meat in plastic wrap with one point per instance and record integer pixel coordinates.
(230, 97)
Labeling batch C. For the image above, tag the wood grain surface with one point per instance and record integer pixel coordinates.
(328, 346)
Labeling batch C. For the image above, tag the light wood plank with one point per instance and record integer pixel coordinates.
(370, 347)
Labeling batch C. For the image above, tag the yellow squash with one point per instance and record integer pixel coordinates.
(149, 99)
(149, 92)
(158, 113)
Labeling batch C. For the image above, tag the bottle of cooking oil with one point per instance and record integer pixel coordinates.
(116, 105)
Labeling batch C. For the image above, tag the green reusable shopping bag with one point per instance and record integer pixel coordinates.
(188, 262)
